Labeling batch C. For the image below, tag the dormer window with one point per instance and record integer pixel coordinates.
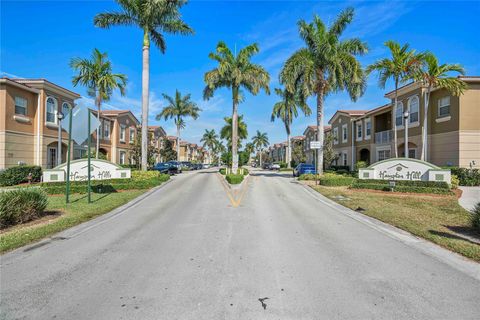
(51, 110)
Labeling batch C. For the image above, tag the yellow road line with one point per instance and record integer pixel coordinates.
(231, 194)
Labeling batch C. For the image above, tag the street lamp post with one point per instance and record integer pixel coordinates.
(60, 117)
(406, 114)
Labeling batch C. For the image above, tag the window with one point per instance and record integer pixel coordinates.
(106, 129)
(399, 114)
(359, 131)
(65, 109)
(383, 155)
(344, 133)
(344, 159)
(444, 107)
(122, 133)
(51, 110)
(20, 106)
(368, 128)
(132, 135)
(122, 157)
(335, 135)
(413, 107)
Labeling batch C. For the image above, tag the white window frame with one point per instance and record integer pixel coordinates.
(123, 132)
(368, 121)
(379, 149)
(106, 124)
(24, 106)
(359, 129)
(344, 133)
(410, 122)
(440, 106)
(122, 157)
(335, 135)
(66, 105)
(344, 159)
(55, 110)
(399, 106)
(131, 136)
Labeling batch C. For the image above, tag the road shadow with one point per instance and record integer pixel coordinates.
(271, 174)
(472, 240)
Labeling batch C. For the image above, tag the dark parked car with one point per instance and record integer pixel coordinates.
(176, 164)
(266, 166)
(303, 168)
(166, 167)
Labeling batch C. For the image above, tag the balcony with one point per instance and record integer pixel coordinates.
(384, 137)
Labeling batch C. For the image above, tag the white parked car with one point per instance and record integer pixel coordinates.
(275, 166)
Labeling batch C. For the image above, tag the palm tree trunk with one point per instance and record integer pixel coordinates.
(260, 157)
(97, 148)
(178, 143)
(289, 151)
(145, 92)
(234, 131)
(320, 130)
(394, 116)
(424, 127)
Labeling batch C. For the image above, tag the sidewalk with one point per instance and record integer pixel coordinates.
(470, 197)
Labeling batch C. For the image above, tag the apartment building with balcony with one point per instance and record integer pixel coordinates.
(29, 122)
(310, 134)
(453, 128)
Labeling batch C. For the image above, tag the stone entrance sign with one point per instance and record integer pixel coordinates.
(405, 169)
(99, 170)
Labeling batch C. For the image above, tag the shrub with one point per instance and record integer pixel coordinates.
(360, 165)
(403, 186)
(307, 176)
(19, 174)
(234, 178)
(455, 182)
(408, 183)
(466, 177)
(285, 169)
(21, 205)
(476, 218)
(223, 171)
(142, 175)
(335, 180)
(342, 168)
(282, 164)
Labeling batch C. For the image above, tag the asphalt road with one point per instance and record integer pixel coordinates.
(191, 251)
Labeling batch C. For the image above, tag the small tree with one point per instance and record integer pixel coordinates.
(137, 151)
(328, 153)
(298, 154)
(167, 153)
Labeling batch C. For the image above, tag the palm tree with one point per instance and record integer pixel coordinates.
(235, 72)
(249, 149)
(96, 74)
(401, 67)
(209, 139)
(260, 140)
(226, 131)
(155, 18)
(326, 65)
(286, 110)
(177, 109)
(432, 75)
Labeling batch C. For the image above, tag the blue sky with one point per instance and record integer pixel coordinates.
(38, 39)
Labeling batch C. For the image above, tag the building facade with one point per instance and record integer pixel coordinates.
(310, 134)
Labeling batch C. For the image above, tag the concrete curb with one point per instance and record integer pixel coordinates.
(446, 256)
(234, 187)
(87, 225)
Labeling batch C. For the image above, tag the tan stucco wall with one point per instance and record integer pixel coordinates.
(444, 148)
(470, 109)
(469, 148)
(16, 146)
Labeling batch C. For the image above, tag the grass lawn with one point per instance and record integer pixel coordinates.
(438, 218)
(61, 216)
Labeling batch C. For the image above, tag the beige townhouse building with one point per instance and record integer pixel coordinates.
(29, 110)
(156, 139)
(453, 127)
(310, 134)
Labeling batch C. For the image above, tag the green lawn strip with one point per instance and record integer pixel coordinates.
(431, 217)
(78, 211)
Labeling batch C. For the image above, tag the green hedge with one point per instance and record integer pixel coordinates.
(361, 184)
(19, 174)
(407, 183)
(234, 178)
(137, 182)
(335, 180)
(21, 205)
(307, 176)
(223, 171)
(476, 218)
(466, 177)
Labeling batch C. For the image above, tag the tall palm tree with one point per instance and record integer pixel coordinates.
(155, 18)
(401, 67)
(326, 65)
(249, 148)
(260, 140)
(432, 75)
(235, 72)
(96, 74)
(286, 110)
(178, 109)
(209, 139)
(227, 129)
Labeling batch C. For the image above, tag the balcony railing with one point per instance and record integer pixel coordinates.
(384, 136)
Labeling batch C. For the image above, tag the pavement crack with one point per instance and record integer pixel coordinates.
(264, 305)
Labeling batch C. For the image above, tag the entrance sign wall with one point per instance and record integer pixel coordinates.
(405, 169)
(100, 170)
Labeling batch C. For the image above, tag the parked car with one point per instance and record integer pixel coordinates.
(186, 165)
(176, 164)
(303, 168)
(266, 166)
(206, 166)
(165, 167)
(275, 166)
